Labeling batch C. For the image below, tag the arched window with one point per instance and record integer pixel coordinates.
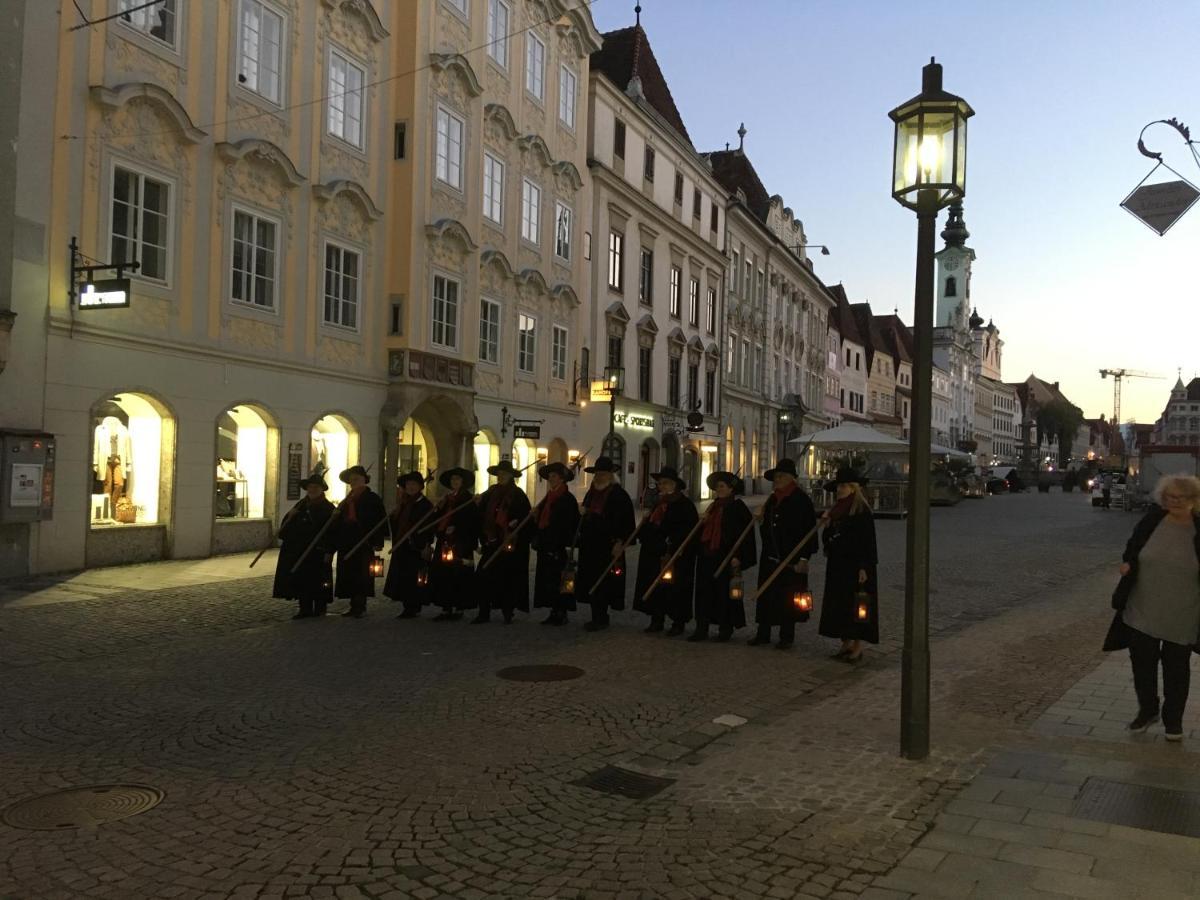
(951, 286)
(333, 444)
(243, 456)
(128, 470)
(614, 449)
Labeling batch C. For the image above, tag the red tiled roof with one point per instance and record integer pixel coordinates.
(897, 336)
(845, 316)
(735, 172)
(626, 53)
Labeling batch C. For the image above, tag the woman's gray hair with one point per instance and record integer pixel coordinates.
(1184, 485)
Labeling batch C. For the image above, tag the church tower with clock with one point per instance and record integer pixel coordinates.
(953, 341)
(954, 273)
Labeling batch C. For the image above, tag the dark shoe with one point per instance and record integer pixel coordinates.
(595, 626)
(444, 617)
(303, 615)
(724, 635)
(481, 620)
(653, 628)
(409, 614)
(1175, 734)
(1142, 722)
(784, 645)
(319, 612)
(698, 635)
(508, 618)
(676, 629)
(841, 654)
(353, 614)
(551, 619)
(758, 640)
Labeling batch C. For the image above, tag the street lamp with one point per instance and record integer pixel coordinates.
(614, 384)
(929, 171)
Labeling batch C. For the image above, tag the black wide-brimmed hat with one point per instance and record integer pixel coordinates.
(314, 479)
(846, 475)
(466, 475)
(670, 472)
(354, 470)
(505, 466)
(728, 478)
(786, 466)
(410, 476)
(602, 464)
(556, 468)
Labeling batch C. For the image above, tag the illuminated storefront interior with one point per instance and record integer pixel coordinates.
(241, 471)
(334, 448)
(127, 460)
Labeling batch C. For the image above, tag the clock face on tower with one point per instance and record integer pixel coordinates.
(951, 263)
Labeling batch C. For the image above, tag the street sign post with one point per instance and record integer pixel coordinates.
(1159, 206)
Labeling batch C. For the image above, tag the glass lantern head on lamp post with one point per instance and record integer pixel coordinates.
(931, 143)
(614, 379)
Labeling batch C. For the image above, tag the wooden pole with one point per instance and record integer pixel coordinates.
(624, 546)
(786, 562)
(313, 543)
(670, 562)
(291, 512)
(512, 534)
(754, 520)
(407, 534)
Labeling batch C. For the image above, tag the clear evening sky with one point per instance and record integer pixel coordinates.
(1060, 90)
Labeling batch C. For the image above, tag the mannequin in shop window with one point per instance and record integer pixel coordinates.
(112, 456)
(225, 501)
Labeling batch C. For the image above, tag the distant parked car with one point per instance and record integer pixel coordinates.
(997, 485)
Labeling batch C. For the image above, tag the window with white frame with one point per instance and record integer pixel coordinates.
(673, 298)
(531, 204)
(140, 223)
(694, 302)
(526, 343)
(254, 263)
(449, 150)
(157, 21)
(445, 312)
(497, 31)
(562, 230)
(535, 65)
(493, 188)
(710, 314)
(566, 96)
(489, 331)
(558, 353)
(261, 53)
(460, 5)
(616, 271)
(343, 281)
(346, 80)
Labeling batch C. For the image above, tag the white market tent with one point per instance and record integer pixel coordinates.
(852, 436)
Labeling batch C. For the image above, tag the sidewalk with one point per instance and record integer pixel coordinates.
(1052, 816)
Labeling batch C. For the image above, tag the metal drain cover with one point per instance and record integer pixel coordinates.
(624, 783)
(82, 806)
(1138, 806)
(540, 673)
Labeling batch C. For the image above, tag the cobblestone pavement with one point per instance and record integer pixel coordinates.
(339, 758)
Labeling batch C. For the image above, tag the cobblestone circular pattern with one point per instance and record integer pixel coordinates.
(82, 806)
(540, 673)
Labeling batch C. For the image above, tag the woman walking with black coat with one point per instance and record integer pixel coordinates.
(312, 583)
(557, 521)
(1158, 603)
(850, 606)
(724, 523)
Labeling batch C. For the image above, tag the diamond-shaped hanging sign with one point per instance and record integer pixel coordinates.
(1161, 205)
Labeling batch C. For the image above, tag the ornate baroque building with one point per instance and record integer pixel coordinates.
(953, 343)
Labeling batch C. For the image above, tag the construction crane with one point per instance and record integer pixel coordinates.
(1119, 375)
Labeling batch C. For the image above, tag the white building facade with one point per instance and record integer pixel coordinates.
(953, 344)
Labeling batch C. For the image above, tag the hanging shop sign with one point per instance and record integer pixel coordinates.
(294, 470)
(1159, 206)
(600, 391)
(532, 432)
(110, 293)
(635, 422)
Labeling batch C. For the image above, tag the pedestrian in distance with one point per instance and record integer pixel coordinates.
(850, 604)
(1158, 603)
(788, 519)
(1106, 484)
(556, 526)
(404, 577)
(608, 521)
(725, 522)
(456, 530)
(670, 522)
(311, 585)
(504, 506)
(358, 513)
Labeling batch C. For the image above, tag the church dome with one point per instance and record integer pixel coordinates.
(976, 320)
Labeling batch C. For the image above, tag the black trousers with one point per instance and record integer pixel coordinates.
(358, 604)
(1145, 653)
(787, 632)
(311, 607)
(600, 611)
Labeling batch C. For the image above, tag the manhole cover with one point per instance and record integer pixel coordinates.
(82, 806)
(540, 673)
(1138, 806)
(624, 783)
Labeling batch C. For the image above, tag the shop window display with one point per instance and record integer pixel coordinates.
(126, 436)
(241, 470)
(334, 446)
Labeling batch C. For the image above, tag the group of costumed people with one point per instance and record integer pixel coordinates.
(690, 565)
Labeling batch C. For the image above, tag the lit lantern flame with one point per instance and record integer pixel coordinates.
(803, 601)
(422, 577)
(567, 584)
(737, 588)
(448, 553)
(863, 612)
(377, 566)
(508, 547)
(618, 570)
(668, 575)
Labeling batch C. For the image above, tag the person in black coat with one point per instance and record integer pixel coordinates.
(556, 524)
(312, 583)
(607, 524)
(850, 604)
(456, 527)
(668, 526)
(788, 518)
(1158, 603)
(404, 577)
(726, 520)
(357, 515)
(504, 506)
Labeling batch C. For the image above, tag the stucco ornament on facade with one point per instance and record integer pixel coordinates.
(127, 56)
(143, 125)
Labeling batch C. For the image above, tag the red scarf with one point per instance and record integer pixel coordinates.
(841, 509)
(660, 509)
(596, 498)
(350, 506)
(497, 510)
(710, 534)
(449, 503)
(548, 504)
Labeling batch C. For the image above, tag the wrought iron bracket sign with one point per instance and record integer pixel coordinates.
(88, 292)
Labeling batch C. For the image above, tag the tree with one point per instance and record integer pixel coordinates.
(1059, 421)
